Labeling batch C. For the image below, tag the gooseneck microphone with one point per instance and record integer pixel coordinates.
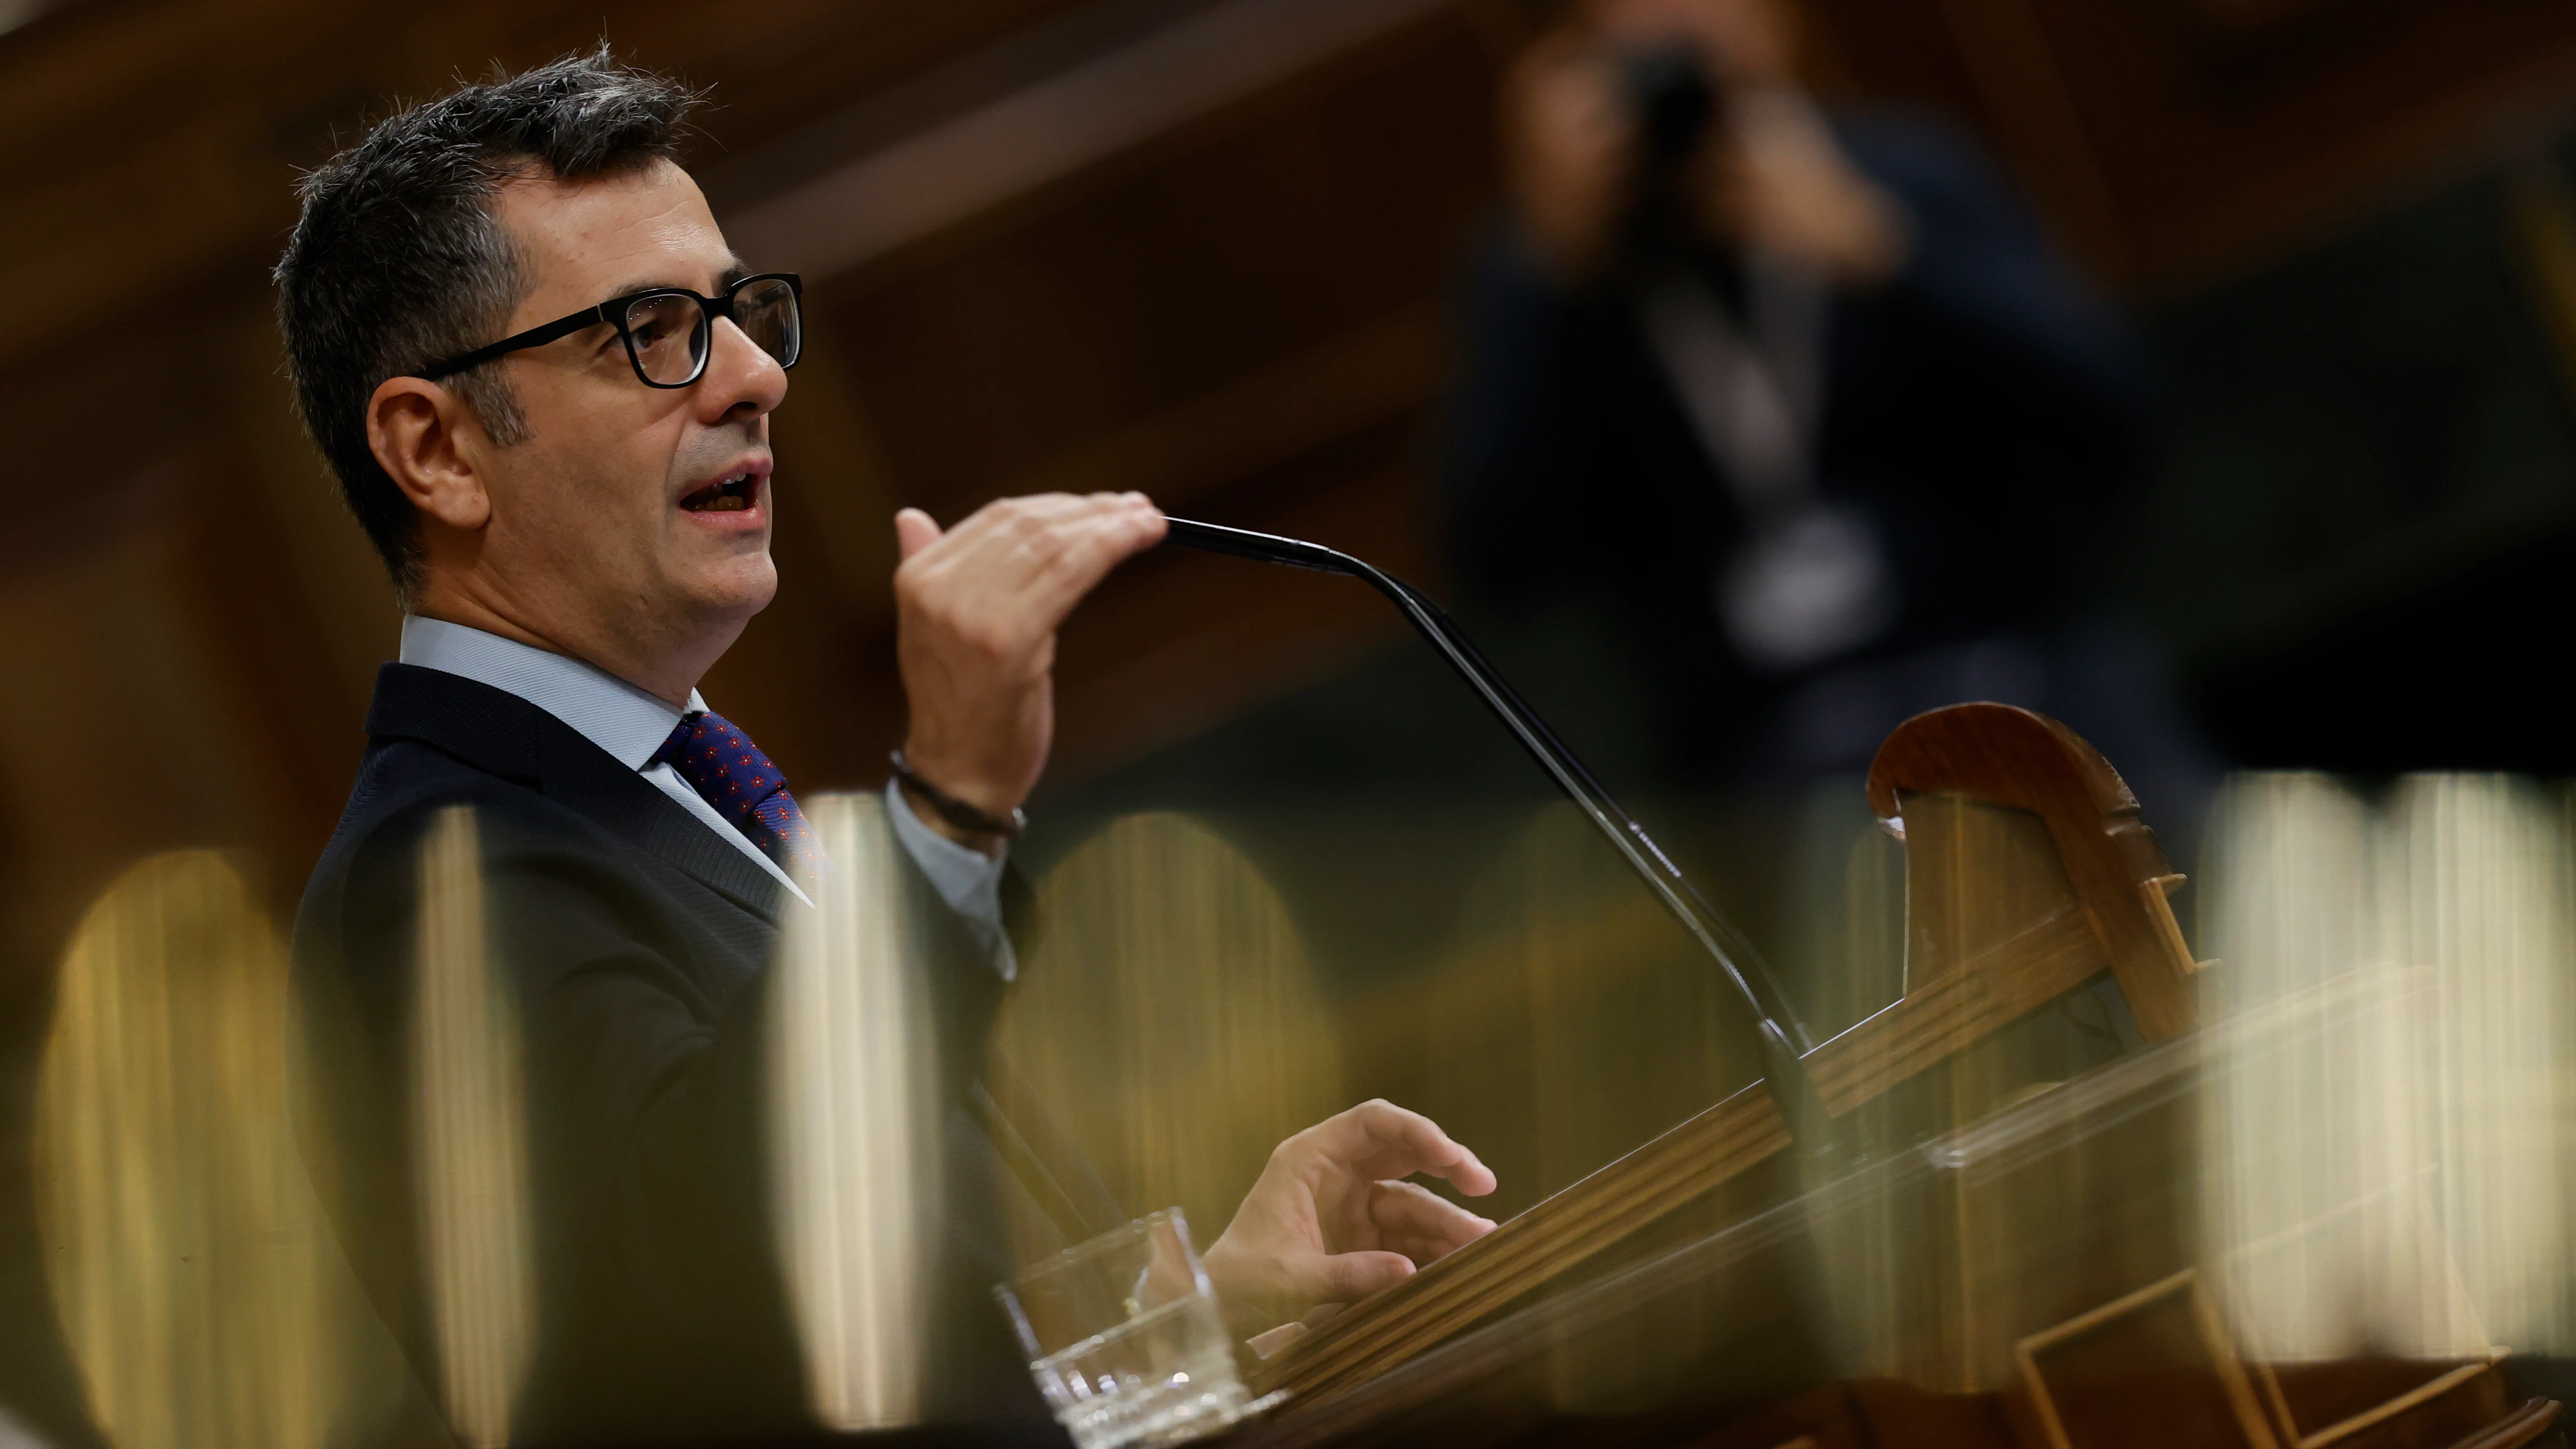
(1784, 1037)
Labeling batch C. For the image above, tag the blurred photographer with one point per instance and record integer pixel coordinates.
(1799, 401)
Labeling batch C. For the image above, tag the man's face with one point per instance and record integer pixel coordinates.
(632, 517)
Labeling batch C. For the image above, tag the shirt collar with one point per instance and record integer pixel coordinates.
(606, 710)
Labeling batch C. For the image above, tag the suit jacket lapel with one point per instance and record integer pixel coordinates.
(502, 734)
(634, 807)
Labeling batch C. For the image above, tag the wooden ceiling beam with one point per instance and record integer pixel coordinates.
(923, 184)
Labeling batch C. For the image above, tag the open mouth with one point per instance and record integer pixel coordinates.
(725, 495)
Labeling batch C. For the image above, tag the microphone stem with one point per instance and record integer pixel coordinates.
(1784, 1037)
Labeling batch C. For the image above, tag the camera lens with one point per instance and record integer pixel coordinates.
(1673, 102)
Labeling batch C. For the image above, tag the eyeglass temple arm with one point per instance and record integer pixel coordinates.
(533, 337)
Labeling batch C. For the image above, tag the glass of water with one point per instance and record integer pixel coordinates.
(1123, 1335)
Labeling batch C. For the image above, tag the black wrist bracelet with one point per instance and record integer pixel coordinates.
(953, 810)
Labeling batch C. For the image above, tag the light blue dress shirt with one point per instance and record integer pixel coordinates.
(631, 724)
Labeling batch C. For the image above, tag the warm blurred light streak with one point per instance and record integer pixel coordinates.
(470, 1116)
(1170, 1015)
(2487, 890)
(855, 1102)
(1624, 1016)
(196, 1284)
(1574, 1021)
(2385, 1144)
(15, 1435)
(1846, 906)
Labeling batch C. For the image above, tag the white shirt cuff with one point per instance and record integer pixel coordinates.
(967, 879)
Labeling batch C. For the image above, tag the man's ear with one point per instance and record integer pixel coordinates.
(430, 443)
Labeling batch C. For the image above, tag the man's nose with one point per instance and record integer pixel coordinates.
(741, 376)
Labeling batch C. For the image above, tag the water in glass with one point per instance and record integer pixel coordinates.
(1163, 1377)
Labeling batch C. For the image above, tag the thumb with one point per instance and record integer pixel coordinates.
(1349, 1277)
(914, 531)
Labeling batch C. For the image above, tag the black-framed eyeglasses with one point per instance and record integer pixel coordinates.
(668, 331)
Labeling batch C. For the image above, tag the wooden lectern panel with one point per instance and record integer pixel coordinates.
(2033, 1275)
(2028, 872)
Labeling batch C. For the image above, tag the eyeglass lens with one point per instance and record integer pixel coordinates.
(767, 313)
(670, 333)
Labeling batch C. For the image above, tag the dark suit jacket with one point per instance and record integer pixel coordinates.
(637, 943)
(1977, 405)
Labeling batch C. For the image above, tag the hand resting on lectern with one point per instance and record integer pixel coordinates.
(1331, 1221)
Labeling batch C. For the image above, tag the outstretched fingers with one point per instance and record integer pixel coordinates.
(1379, 1140)
(1419, 1223)
(1088, 548)
(1033, 559)
(1330, 1221)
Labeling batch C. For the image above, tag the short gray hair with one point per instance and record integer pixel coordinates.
(397, 261)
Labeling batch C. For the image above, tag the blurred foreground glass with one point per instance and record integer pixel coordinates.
(197, 1285)
(471, 1173)
(1124, 1337)
(1170, 1018)
(854, 1112)
(2388, 1125)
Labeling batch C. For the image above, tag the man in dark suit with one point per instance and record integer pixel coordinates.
(545, 383)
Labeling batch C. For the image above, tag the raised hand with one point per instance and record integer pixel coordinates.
(1329, 1222)
(977, 610)
(1782, 184)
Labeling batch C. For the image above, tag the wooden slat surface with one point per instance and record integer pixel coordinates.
(1545, 1242)
(2009, 980)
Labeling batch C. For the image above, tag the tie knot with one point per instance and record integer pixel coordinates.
(731, 774)
(719, 761)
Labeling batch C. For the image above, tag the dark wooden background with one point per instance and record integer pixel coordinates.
(1206, 248)
(1223, 281)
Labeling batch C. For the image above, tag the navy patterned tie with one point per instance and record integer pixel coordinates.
(730, 773)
